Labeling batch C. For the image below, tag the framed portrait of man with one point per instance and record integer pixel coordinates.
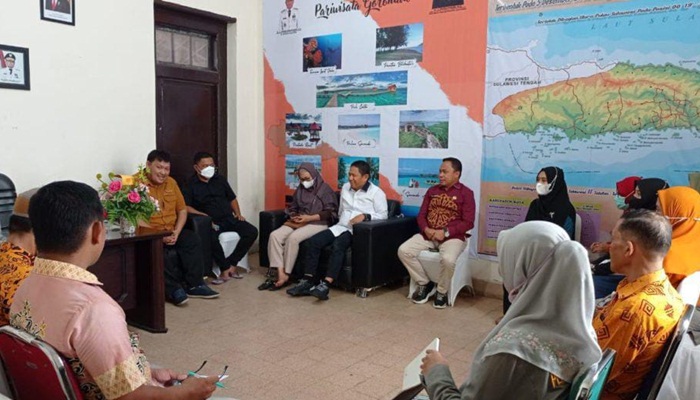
(62, 11)
(14, 67)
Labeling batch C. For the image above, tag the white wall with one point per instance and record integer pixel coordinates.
(91, 107)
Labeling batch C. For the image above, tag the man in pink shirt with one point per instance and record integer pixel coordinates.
(63, 304)
(445, 217)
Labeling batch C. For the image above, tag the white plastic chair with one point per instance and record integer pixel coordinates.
(229, 241)
(577, 229)
(689, 288)
(462, 277)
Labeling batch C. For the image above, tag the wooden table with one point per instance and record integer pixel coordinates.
(131, 269)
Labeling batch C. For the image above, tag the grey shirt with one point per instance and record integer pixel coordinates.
(500, 376)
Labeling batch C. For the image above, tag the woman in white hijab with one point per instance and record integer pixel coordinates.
(546, 338)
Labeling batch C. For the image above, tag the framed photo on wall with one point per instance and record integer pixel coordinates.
(14, 67)
(62, 11)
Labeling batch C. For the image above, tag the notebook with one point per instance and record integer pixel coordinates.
(413, 382)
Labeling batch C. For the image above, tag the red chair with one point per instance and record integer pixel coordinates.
(34, 369)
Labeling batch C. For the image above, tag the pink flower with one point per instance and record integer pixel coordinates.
(114, 186)
(133, 197)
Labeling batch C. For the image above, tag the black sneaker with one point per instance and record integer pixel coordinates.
(320, 291)
(424, 293)
(202, 292)
(178, 297)
(303, 288)
(440, 300)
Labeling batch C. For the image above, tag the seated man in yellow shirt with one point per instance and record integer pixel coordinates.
(16, 254)
(172, 216)
(641, 314)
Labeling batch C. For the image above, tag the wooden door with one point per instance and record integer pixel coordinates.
(190, 85)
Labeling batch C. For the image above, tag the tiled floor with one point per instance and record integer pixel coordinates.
(278, 347)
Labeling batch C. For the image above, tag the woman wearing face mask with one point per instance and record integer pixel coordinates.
(546, 339)
(314, 207)
(681, 205)
(625, 190)
(552, 203)
(643, 196)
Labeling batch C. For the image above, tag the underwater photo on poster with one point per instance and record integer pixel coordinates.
(379, 89)
(345, 162)
(292, 162)
(424, 129)
(322, 52)
(302, 131)
(359, 130)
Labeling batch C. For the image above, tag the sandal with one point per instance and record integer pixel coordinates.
(277, 286)
(236, 274)
(267, 285)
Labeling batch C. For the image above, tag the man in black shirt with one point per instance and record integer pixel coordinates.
(208, 193)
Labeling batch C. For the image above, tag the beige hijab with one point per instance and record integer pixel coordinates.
(551, 288)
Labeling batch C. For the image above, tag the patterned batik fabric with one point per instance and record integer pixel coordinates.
(65, 306)
(15, 265)
(636, 323)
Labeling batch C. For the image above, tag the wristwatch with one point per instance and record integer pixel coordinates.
(447, 232)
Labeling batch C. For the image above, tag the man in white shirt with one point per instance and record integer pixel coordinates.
(289, 20)
(11, 73)
(360, 200)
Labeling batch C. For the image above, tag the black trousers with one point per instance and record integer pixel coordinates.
(187, 267)
(244, 229)
(316, 243)
(506, 301)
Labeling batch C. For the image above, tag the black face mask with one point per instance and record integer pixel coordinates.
(638, 204)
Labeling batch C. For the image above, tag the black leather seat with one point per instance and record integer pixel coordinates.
(371, 261)
(8, 194)
(201, 225)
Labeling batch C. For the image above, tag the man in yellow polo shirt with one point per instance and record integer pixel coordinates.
(184, 279)
(638, 318)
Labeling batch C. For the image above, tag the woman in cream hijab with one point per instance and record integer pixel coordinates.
(546, 338)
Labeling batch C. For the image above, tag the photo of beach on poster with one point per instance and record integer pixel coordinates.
(359, 130)
(399, 43)
(419, 172)
(292, 162)
(345, 162)
(380, 89)
(302, 131)
(426, 129)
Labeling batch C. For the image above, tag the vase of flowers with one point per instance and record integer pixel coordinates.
(126, 200)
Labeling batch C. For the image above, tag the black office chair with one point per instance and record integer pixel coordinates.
(655, 377)
(8, 194)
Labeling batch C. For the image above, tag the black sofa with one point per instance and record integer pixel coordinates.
(8, 194)
(201, 225)
(372, 260)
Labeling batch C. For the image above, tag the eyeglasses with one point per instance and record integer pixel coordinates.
(196, 375)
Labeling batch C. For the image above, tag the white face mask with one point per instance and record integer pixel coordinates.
(308, 184)
(543, 189)
(208, 172)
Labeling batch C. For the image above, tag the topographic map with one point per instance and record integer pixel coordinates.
(602, 91)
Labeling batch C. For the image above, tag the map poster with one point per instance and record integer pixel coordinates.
(601, 90)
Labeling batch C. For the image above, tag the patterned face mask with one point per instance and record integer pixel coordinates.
(620, 202)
